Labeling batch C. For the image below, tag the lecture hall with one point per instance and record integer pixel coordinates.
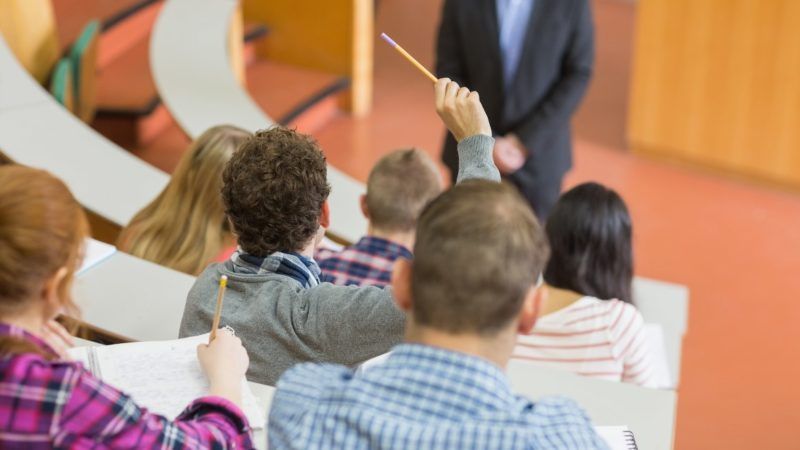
(399, 224)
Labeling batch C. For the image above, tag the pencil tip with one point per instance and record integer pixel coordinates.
(389, 40)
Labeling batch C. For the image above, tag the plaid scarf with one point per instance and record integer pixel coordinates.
(301, 268)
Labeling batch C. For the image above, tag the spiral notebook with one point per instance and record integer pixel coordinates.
(162, 376)
(617, 438)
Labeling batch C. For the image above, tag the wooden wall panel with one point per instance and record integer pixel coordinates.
(334, 36)
(29, 28)
(236, 46)
(717, 83)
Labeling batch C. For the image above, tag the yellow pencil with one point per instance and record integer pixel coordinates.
(409, 57)
(223, 282)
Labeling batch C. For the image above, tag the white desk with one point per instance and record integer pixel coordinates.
(649, 413)
(133, 298)
(190, 65)
(36, 131)
(665, 304)
(263, 394)
(17, 88)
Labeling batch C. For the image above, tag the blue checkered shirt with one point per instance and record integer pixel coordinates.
(420, 398)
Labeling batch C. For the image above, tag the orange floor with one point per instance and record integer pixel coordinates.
(734, 244)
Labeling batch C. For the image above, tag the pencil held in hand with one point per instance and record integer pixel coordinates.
(223, 283)
(410, 58)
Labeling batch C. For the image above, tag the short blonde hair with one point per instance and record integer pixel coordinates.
(400, 185)
(479, 249)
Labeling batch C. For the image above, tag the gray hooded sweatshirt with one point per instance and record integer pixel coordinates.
(281, 323)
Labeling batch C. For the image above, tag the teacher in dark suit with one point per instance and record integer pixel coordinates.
(530, 61)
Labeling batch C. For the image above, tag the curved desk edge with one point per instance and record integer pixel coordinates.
(193, 75)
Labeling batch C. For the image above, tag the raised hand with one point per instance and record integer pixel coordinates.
(460, 110)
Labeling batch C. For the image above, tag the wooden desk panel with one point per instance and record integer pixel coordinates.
(717, 83)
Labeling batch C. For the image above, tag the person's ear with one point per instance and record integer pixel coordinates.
(51, 293)
(364, 207)
(325, 215)
(401, 284)
(531, 307)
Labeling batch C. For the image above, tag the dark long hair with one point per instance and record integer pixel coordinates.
(590, 235)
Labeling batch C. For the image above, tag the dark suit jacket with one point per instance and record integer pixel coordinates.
(552, 76)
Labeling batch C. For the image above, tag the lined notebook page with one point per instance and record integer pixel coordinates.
(163, 376)
(617, 438)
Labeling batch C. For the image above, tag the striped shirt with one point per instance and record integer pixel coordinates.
(594, 338)
(58, 404)
(420, 398)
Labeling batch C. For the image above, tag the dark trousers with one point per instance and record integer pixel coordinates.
(541, 188)
(542, 193)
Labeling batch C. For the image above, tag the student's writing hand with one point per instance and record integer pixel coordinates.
(460, 110)
(224, 362)
(58, 338)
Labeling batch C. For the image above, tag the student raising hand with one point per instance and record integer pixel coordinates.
(460, 110)
(224, 361)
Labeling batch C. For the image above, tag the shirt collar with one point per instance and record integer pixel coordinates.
(301, 268)
(374, 244)
(13, 331)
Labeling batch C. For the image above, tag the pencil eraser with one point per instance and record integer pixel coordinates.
(388, 39)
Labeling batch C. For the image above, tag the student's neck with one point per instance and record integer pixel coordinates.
(406, 239)
(496, 350)
(31, 321)
(558, 299)
(311, 248)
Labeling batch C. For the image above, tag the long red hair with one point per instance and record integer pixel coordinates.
(42, 229)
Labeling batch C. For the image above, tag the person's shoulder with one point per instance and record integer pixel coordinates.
(308, 383)
(559, 408)
(612, 308)
(325, 256)
(211, 274)
(31, 368)
(560, 419)
(49, 380)
(319, 375)
(620, 310)
(335, 292)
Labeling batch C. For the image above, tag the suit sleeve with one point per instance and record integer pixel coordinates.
(449, 59)
(562, 100)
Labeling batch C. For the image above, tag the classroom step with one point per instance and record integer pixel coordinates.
(129, 110)
(308, 104)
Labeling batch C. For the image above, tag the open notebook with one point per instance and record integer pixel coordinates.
(163, 376)
(617, 438)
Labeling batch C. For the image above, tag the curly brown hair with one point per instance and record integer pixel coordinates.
(274, 188)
